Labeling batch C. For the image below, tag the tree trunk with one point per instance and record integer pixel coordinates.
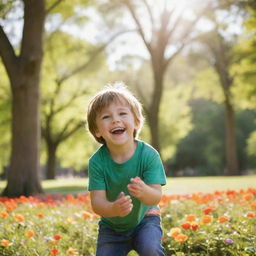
(24, 72)
(51, 161)
(24, 166)
(153, 114)
(230, 143)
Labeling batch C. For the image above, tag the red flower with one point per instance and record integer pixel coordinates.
(209, 209)
(185, 225)
(194, 226)
(54, 251)
(57, 237)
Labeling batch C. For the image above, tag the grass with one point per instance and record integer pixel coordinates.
(206, 236)
(174, 185)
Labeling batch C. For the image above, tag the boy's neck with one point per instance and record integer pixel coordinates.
(123, 153)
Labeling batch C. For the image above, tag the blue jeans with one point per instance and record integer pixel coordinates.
(145, 239)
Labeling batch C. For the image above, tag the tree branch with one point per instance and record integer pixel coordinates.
(7, 53)
(49, 9)
(71, 100)
(91, 59)
(139, 26)
(64, 134)
(150, 15)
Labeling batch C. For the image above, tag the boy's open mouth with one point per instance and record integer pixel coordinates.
(117, 130)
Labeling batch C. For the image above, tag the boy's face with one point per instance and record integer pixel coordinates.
(116, 124)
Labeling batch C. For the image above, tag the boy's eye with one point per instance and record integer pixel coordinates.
(105, 117)
(123, 113)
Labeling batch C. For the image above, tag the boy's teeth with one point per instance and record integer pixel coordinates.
(116, 131)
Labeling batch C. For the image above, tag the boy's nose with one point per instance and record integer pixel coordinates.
(116, 119)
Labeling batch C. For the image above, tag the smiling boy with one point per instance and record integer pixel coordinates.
(125, 176)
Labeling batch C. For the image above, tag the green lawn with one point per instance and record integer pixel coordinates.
(174, 185)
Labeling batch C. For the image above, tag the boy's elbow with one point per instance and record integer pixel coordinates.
(150, 201)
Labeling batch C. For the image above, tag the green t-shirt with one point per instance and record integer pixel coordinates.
(105, 174)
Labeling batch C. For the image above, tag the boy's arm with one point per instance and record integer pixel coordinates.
(121, 207)
(148, 194)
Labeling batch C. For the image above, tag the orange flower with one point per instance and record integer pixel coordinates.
(5, 243)
(174, 232)
(87, 215)
(250, 215)
(30, 234)
(206, 219)
(19, 218)
(248, 196)
(253, 205)
(194, 226)
(190, 217)
(181, 238)
(40, 215)
(223, 219)
(10, 205)
(185, 225)
(54, 252)
(4, 214)
(72, 251)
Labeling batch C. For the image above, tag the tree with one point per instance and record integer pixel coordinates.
(23, 69)
(66, 76)
(168, 29)
(222, 59)
(220, 45)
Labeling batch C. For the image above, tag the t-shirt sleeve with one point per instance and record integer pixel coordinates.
(96, 177)
(154, 171)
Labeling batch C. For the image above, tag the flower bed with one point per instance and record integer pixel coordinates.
(219, 223)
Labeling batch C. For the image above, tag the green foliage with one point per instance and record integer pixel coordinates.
(83, 146)
(252, 144)
(207, 136)
(67, 9)
(65, 94)
(206, 86)
(175, 120)
(5, 119)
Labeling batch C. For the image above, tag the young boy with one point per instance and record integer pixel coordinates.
(125, 176)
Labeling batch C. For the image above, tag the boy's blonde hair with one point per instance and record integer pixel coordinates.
(116, 92)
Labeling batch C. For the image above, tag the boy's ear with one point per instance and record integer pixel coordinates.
(97, 134)
(137, 125)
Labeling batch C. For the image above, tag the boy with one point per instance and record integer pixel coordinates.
(125, 176)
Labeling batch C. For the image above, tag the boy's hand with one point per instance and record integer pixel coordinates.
(137, 187)
(123, 205)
